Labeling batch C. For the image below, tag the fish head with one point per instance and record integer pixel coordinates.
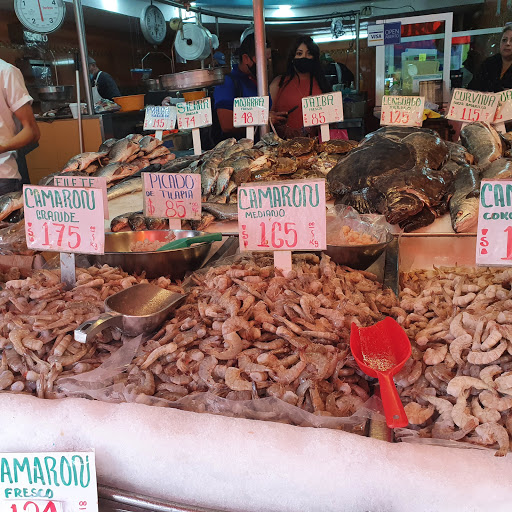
(465, 216)
(400, 205)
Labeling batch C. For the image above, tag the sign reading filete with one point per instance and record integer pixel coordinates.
(172, 196)
(494, 233)
(282, 216)
(99, 182)
(472, 106)
(194, 115)
(48, 482)
(250, 112)
(322, 110)
(402, 110)
(69, 220)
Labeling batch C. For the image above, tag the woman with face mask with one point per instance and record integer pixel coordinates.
(304, 77)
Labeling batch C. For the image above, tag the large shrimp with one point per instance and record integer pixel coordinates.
(489, 433)
(458, 385)
(487, 357)
(487, 374)
(435, 354)
(416, 414)
(459, 414)
(458, 345)
(484, 415)
(492, 400)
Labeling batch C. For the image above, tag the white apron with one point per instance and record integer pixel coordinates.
(95, 94)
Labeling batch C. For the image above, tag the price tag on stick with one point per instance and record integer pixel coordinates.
(472, 106)
(98, 182)
(281, 217)
(504, 110)
(494, 233)
(322, 110)
(65, 220)
(402, 110)
(250, 112)
(194, 115)
(174, 196)
(159, 118)
(48, 482)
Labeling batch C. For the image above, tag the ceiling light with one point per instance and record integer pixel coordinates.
(283, 11)
(327, 38)
(110, 5)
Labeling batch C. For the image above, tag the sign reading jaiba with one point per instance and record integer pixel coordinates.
(494, 242)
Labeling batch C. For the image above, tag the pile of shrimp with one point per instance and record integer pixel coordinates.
(248, 332)
(37, 320)
(457, 385)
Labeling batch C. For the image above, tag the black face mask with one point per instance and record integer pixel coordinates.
(252, 69)
(303, 65)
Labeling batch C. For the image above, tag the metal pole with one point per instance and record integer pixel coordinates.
(217, 26)
(357, 52)
(258, 9)
(82, 44)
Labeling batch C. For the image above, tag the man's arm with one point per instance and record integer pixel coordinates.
(29, 132)
(226, 122)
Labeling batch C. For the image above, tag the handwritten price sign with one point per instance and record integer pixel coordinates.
(282, 216)
(174, 196)
(472, 106)
(194, 114)
(64, 219)
(323, 109)
(48, 482)
(504, 110)
(160, 118)
(494, 243)
(402, 110)
(250, 111)
(85, 182)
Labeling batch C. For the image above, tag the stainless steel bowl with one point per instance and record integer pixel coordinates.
(63, 93)
(152, 84)
(174, 263)
(195, 79)
(358, 257)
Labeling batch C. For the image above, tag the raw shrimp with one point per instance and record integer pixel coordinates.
(492, 400)
(235, 346)
(484, 415)
(487, 374)
(458, 385)
(416, 414)
(158, 353)
(435, 355)
(504, 381)
(458, 345)
(459, 415)
(234, 380)
(490, 433)
(487, 357)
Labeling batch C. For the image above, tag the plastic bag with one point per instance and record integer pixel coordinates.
(346, 226)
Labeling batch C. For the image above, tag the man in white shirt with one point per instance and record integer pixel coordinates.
(15, 103)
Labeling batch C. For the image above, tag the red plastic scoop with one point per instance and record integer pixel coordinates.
(381, 350)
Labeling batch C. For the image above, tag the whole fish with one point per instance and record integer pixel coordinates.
(206, 220)
(107, 145)
(221, 211)
(134, 137)
(116, 171)
(47, 181)
(162, 160)
(148, 144)
(16, 216)
(209, 176)
(500, 169)
(223, 180)
(224, 144)
(180, 163)
(158, 151)
(120, 222)
(125, 187)
(156, 223)
(91, 168)
(83, 160)
(137, 222)
(232, 187)
(482, 141)
(122, 150)
(10, 202)
(465, 199)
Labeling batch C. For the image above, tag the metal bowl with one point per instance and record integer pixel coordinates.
(358, 257)
(62, 93)
(195, 79)
(152, 84)
(175, 263)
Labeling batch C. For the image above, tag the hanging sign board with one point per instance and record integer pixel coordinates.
(48, 482)
(160, 118)
(282, 216)
(194, 114)
(494, 241)
(402, 110)
(250, 111)
(172, 196)
(393, 33)
(64, 219)
(472, 106)
(322, 109)
(99, 182)
(376, 35)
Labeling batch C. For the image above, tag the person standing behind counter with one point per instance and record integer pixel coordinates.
(495, 73)
(304, 77)
(15, 104)
(103, 85)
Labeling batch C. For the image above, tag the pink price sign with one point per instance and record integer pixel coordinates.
(282, 216)
(504, 110)
(99, 182)
(472, 106)
(402, 110)
(494, 234)
(194, 114)
(323, 109)
(173, 196)
(64, 219)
